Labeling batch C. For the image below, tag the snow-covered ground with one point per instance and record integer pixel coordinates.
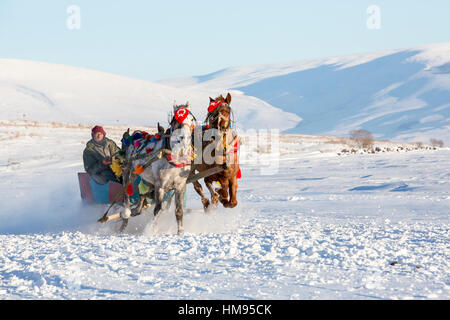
(323, 227)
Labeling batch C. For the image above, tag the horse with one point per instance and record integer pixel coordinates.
(219, 119)
(162, 173)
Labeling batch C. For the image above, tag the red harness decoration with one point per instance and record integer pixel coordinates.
(130, 190)
(169, 158)
(235, 148)
(213, 105)
(181, 115)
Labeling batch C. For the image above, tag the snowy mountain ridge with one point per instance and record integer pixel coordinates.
(399, 94)
(39, 91)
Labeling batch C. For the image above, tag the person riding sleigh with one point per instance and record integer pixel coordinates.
(98, 156)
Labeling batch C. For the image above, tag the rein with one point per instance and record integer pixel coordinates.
(215, 115)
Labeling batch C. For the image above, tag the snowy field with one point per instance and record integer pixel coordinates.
(361, 226)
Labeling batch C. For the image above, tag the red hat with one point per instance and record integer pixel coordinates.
(98, 129)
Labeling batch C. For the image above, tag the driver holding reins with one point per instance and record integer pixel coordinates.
(97, 156)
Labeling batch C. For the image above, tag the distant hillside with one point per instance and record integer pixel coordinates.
(399, 94)
(46, 92)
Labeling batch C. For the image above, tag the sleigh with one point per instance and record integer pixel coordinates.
(92, 192)
(112, 192)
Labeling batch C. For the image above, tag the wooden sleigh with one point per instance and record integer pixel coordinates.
(92, 192)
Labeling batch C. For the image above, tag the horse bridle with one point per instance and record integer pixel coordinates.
(213, 116)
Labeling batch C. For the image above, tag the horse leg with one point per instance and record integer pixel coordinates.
(127, 207)
(126, 179)
(143, 203)
(137, 211)
(179, 195)
(233, 190)
(198, 188)
(124, 225)
(223, 192)
(214, 195)
(159, 197)
(126, 214)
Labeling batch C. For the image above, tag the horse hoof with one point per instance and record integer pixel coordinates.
(205, 204)
(135, 214)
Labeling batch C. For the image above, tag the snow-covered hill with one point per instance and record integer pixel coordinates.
(399, 94)
(47, 92)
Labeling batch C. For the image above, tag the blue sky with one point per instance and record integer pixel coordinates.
(153, 40)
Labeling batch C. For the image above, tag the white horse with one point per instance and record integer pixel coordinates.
(171, 171)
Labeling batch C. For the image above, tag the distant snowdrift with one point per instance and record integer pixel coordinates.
(48, 92)
(399, 94)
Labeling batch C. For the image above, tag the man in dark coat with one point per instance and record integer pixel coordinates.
(97, 156)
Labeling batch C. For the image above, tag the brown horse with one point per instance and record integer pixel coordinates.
(218, 118)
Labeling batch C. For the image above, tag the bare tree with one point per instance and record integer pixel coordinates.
(436, 143)
(363, 138)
